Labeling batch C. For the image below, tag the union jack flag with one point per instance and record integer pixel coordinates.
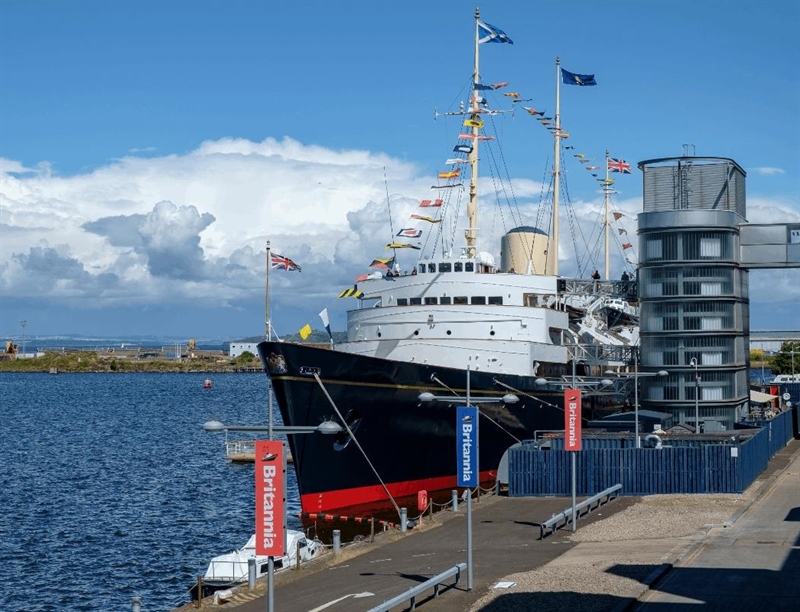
(279, 262)
(619, 165)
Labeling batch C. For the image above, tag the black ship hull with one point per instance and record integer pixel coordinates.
(402, 445)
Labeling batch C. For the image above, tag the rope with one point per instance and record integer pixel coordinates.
(357, 443)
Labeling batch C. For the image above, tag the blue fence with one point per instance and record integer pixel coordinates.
(688, 467)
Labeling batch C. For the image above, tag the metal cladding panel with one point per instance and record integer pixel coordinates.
(685, 183)
(770, 246)
(702, 468)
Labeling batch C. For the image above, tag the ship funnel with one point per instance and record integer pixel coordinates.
(524, 250)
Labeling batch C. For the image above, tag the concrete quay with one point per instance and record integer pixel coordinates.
(748, 560)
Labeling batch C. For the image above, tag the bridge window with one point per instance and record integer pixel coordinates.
(469, 267)
(431, 300)
(460, 299)
(445, 300)
(458, 267)
(421, 268)
(415, 301)
(445, 267)
(402, 302)
(431, 267)
(478, 299)
(496, 299)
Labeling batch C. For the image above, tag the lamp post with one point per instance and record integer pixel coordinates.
(693, 363)
(636, 376)
(572, 423)
(23, 324)
(270, 452)
(467, 437)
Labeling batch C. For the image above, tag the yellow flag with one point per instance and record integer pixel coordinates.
(305, 331)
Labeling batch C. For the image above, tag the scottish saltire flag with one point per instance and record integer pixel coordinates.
(570, 78)
(619, 165)
(283, 263)
(410, 233)
(489, 33)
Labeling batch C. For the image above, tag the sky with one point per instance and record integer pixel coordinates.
(149, 150)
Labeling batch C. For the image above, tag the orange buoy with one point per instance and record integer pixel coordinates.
(207, 384)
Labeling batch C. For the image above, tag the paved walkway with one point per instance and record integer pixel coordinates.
(755, 563)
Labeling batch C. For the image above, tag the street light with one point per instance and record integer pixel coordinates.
(326, 427)
(693, 363)
(636, 375)
(572, 408)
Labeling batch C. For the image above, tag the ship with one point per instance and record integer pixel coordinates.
(459, 327)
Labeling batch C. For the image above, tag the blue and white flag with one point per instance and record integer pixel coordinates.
(489, 33)
(570, 78)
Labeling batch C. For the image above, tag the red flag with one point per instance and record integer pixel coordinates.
(627, 245)
(427, 203)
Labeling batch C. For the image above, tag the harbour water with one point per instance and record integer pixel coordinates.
(110, 488)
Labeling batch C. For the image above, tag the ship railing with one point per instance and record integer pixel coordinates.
(564, 518)
(411, 594)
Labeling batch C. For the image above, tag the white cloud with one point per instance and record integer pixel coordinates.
(767, 171)
(193, 228)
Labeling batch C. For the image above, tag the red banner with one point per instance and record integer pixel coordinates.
(270, 498)
(572, 419)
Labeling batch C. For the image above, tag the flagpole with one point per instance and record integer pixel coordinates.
(552, 257)
(605, 200)
(472, 157)
(268, 330)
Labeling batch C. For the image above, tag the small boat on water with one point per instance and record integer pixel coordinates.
(785, 378)
(231, 569)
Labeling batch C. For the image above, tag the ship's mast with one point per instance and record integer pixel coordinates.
(472, 158)
(552, 252)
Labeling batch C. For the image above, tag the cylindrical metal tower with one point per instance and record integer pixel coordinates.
(693, 291)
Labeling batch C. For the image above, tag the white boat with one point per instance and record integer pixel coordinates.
(785, 378)
(231, 569)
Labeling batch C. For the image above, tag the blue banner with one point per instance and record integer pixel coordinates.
(467, 446)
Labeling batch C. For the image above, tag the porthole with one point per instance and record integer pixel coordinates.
(449, 332)
(416, 332)
(379, 334)
(491, 333)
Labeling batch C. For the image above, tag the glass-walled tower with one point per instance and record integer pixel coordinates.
(693, 290)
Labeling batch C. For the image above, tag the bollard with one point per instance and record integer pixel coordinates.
(497, 488)
(136, 604)
(297, 558)
(337, 541)
(455, 500)
(251, 573)
(403, 520)
(371, 529)
(199, 601)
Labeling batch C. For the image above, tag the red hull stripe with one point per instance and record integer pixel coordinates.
(375, 494)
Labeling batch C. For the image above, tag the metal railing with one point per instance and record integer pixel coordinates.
(563, 518)
(411, 594)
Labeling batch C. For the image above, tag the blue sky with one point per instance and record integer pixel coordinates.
(149, 149)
